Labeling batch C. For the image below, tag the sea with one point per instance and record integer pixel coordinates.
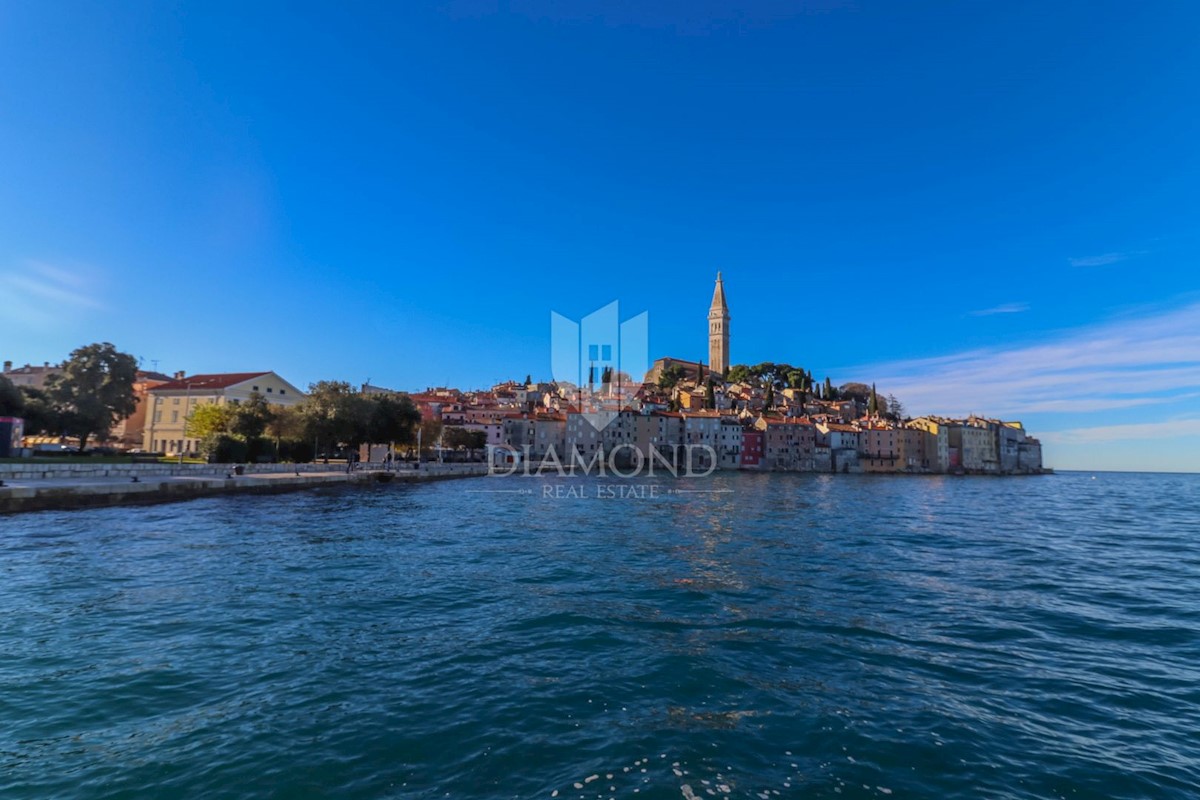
(731, 636)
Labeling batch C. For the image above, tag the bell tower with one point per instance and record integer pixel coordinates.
(718, 330)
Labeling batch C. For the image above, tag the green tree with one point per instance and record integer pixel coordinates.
(769, 400)
(873, 403)
(287, 422)
(529, 380)
(855, 391)
(251, 418)
(210, 424)
(828, 388)
(355, 421)
(393, 419)
(670, 376)
(40, 415)
(93, 390)
(896, 409)
(710, 397)
(457, 438)
(738, 373)
(335, 414)
(431, 431)
(12, 401)
(288, 425)
(208, 421)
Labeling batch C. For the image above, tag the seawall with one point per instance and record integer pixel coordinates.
(60, 488)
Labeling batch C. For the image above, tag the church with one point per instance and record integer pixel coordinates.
(718, 344)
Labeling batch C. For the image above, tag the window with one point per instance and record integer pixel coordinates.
(269, 390)
(283, 391)
(254, 388)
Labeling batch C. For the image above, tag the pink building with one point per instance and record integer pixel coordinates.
(752, 449)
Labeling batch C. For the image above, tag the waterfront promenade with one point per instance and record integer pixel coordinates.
(42, 487)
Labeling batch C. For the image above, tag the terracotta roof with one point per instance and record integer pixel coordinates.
(200, 382)
(32, 370)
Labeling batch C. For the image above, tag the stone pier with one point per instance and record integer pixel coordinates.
(43, 487)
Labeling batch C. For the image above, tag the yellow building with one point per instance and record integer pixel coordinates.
(171, 403)
(936, 447)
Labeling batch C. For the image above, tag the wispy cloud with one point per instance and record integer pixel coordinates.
(1005, 308)
(1167, 429)
(41, 294)
(1124, 363)
(1099, 261)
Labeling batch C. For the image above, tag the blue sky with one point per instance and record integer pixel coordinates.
(983, 207)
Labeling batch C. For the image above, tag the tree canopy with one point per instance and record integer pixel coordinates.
(39, 413)
(12, 401)
(463, 438)
(393, 419)
(208, 421)
(738, 373)
(769, 373)
(334, 414)
(251, 418)
(855, 391)
(93, 390)
(670, 376)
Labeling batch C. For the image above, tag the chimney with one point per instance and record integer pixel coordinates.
(179, 375)
(8, 366)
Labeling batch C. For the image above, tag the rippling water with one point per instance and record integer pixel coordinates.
(815, 636)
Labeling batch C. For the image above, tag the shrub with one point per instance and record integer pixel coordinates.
(228, 450)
